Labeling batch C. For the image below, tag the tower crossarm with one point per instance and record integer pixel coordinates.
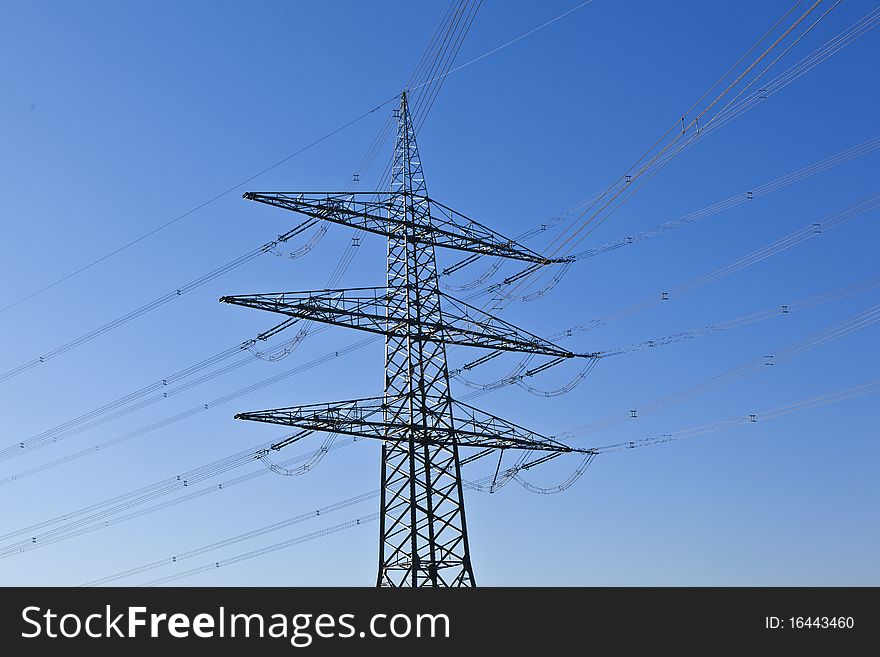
(376, 212)
(366, 309)
(364, 418)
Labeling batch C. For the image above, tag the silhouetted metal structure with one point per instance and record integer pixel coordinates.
(423, 533)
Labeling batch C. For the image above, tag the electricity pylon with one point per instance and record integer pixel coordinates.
(423, 533)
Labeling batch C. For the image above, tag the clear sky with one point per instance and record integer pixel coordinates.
(117, 117)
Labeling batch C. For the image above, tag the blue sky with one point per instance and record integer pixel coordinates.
(120, 116)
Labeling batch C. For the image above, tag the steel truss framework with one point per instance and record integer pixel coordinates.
(365, 309)
(423, 532)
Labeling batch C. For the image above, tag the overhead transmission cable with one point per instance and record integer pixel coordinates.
(321, 533)
(198, 207)
(299, 518)
(780, 245)
(253, 177)
(258, 552)
(426, 91)
(518, 377)
(821, 54)
(872, 387)
(183, 415)
(131, 505)
(465, 7)
(653, 159)
(847, 155)
(862, 149)
(842, 157)
(649, 157)
(269, 247)
(152, 305)
(510, 43)
(520, 373)
(836, 331)
(103, 514)
(732, 111)
(53, 436)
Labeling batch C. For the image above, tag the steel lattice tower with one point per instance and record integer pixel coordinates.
(423, 533)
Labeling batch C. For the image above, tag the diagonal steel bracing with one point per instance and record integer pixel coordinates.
(376, 212)
(366, 418)
(365, 309)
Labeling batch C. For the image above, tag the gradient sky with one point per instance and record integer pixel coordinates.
(117, 117)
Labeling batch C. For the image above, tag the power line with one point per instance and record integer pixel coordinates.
(178, 417)
(519, 375)
(753, 193)
(640, 167)
(649, 165)
(198, 207)
(809, 231)
(253, 177)
(872, 387)
(269, 247)
(321, 533)
(860, 150)
(836, 331)
(154, 304)
(863, 321)
(813, 402)
(758, 96)
(821, 54)
(97, 516)
(130, 505)
(510, 43)
(245, 536)
(52, 436)
(239, 538)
